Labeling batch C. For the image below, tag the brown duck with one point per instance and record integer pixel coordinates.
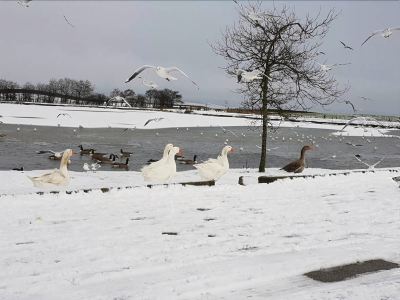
(298, 166)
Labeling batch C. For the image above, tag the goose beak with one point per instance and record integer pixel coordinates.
(232, 150)
(74, 152)
(180, 152)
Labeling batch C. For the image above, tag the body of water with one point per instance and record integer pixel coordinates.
(18, 148)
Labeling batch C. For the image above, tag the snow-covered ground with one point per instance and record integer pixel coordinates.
(88, 117)
(232, 242)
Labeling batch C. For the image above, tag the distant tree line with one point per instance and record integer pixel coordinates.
(68, 90)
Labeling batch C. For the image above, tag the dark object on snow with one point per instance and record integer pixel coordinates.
(344, 272)
(18, 169)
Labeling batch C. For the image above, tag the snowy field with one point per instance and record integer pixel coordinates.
(232, 242)
(88, 117)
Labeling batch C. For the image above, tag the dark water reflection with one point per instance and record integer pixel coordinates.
(19, 147)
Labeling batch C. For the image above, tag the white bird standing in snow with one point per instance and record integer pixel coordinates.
(86, 167)
(247, 76)
(387, 32)
(162, 72)
(164, 169)
(213, 169)
(58, 176)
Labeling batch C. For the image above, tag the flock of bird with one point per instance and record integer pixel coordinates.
(164, 169)
(161, 170)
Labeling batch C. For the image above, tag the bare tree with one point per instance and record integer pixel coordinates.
(283, 49)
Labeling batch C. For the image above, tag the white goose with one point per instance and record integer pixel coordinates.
(213, 169)
(58, 176)
(164, 169)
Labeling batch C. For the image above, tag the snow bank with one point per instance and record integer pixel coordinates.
(87, 117)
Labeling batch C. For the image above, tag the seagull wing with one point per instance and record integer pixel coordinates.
(138, 71)
(362, 162)
(349, 122)
(372, 34)
(45, 151)
(354, 109)
(176, 69)
(68, 21)
(344, 45)
(148, 121)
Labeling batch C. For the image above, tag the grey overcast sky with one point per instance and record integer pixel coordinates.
(112, 38)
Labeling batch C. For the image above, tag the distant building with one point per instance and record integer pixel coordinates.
(118, 101)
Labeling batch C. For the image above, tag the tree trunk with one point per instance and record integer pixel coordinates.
(263, 158)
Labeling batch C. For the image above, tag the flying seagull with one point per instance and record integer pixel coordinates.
(64, 114)
(384, 33)
(364, 121)
(247, 76)
(346, 46)
(24, 3)
(69, 23)
(126, 129)
(227, 130)
(162, 72)
(321, 53)
(366, 98)
(54, 153)
(153, 120)
(327, 68)
(149, 83)
(357, 156)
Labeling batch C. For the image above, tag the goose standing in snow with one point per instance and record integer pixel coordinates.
(58, 176)
(298, 166)
(162, 72)
(213, 169)
(154, 162)
(162, 170)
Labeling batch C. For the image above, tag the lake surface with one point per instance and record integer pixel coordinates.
(18, 148)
